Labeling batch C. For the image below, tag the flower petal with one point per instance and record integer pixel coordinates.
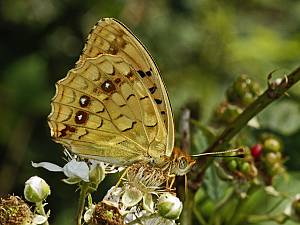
(48, 166)
(75, 169)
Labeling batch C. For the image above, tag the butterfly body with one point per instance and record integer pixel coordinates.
(113, 106)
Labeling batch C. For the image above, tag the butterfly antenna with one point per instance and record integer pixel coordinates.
(237, 152)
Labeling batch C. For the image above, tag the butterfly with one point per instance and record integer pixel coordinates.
(113, 106)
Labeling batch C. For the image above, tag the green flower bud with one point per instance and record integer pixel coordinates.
(169, 206)
(97, 174)
(36, 189)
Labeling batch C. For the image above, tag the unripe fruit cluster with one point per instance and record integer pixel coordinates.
(243, 91)
(242, 168)
(268, 156)
(239, 95)
(226, 113)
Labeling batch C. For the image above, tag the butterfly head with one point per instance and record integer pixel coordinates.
(182, 163)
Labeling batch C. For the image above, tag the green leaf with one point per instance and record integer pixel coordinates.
(214, 186)
(282, 117)
(201, 138)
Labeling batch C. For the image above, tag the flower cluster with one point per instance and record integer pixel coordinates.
(141, 196)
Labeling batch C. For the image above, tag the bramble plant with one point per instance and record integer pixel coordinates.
(221, 190)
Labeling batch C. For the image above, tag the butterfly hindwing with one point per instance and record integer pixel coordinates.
(102, 110)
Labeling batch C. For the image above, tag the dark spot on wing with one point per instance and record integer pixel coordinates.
(118, 80)
(101, 123)
(158, 101)
(66, 130)
(129, 76)
(129, 128)
(141, 73)
(141, 98)
(86, 132)
(152, 89)
(108, 86)
(81, 117)
(149, 74)
(84, 101)
(129, 96)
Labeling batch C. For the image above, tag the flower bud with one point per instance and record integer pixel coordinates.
(169, 206)
(36, 189)
(97, 174)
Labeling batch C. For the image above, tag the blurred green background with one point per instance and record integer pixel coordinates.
(200, 46)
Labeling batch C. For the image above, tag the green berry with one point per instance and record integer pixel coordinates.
(272, 145)
(277, 169)
(230, 113)
(247, 98)
(271, 158)
(245, 168)
(232, 165)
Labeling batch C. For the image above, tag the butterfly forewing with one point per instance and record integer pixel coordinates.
(109, 36)
(102, 110)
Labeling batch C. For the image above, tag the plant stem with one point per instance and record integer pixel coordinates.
(187, 213)
(81, 203)
(274, 92)
(41, 211)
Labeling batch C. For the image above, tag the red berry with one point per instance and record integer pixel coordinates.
(256, 151)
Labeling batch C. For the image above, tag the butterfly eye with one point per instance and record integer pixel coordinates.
(182, 163)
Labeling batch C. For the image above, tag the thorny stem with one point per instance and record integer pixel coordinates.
(274, 92)
(41, 211)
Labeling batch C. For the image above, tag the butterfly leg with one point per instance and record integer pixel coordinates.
(122, 176)
(170, 182)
